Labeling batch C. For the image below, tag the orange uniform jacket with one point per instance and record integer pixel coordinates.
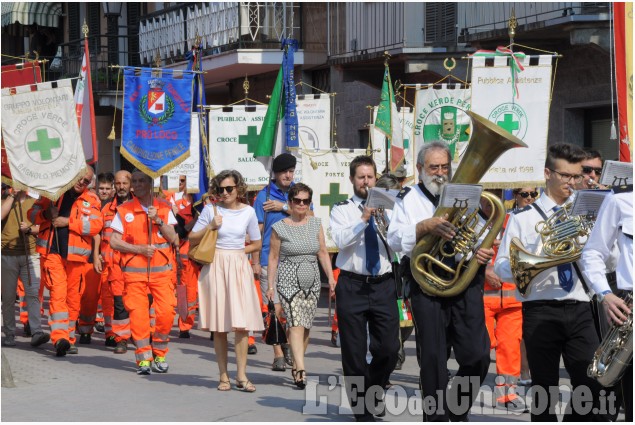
(135, 231)
(84, 222)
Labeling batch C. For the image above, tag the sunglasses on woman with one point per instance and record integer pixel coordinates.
(228, 189)
(301, 201)
(527, 194)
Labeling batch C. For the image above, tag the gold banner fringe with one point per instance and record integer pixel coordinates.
(50, 195)
(146, 170)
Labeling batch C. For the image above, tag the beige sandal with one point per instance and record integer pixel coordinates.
(245, 386)
(224, 385)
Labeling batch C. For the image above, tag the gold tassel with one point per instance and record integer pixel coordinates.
(112, 135)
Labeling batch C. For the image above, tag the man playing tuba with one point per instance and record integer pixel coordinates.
(557, 316)
(457, 322)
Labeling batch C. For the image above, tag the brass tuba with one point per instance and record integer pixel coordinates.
(560, 239)
(615, 353)
(487, 143)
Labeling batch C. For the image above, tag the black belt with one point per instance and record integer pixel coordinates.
(366, 278)
(552, 302)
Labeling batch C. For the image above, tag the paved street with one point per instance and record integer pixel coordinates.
(97, 385)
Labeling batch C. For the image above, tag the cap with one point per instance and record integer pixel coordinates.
(283, 162)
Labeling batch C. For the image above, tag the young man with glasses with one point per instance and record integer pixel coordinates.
(67, 227)
(557, 317)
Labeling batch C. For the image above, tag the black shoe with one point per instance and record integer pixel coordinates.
(184, 334)
(252, 349)
(122, 347)
(517, 405)
(288, 356)
(100, 327)
(334, 338)
(398, 365)
(85, 339)
(211, 336)
(110, 341)
(61, 347)
(40, 338)
(27, 329)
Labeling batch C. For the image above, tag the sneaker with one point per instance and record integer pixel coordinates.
(516, 405)
(9, 341)
(252, 349)
(27, 329)
(144, 368)
(110, 341)
(159, 365)
(39, 338)
(184, 334)
(85, 339)
(122, 347)
(100, 328)
(524, 382)
(334, 338)
(61, 347)
(279, 365)
(72, 350)
(288, 357)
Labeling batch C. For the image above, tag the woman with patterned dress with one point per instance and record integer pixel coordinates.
(297, 244)
(227, 296)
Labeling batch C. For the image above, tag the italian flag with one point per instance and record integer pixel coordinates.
(388, 122)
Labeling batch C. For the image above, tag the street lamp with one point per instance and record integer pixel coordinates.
(112, 12)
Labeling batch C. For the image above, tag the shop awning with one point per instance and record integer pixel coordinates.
(27, 13)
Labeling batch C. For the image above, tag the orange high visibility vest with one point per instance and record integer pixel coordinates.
(108, 213)
(136, 231)
(84, 222)
(507, 292)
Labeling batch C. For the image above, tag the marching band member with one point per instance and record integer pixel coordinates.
(457, 321)
(557, 316)
(614, 224)
(365, 290)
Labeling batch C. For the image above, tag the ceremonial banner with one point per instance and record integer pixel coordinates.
(388, 122)
(189, 167)
(623, 29)
(440, 116)
(156, 119)
(330, 183)
(378, 143)
(526, 117)
(85, 109)
(13, 76)
(314, 121)
(41, 138)
(233, 137)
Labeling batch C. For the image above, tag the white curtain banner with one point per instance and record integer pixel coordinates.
(378, 142)
(41, 137)
(189, 167)
(440, 116)
(526, 117)
(330, 183)
(314, 122)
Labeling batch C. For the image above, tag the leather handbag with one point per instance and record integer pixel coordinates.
(274, 330)
(203, 253)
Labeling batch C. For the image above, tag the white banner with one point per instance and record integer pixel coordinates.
(188, 168)
(378, 143)
(526, 117)
(41, 137)
(330, 183)
(314, 122)
(440, 116)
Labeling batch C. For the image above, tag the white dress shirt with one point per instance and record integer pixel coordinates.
(545, 286)
(613, 224)
(347, 231)
(409, 209)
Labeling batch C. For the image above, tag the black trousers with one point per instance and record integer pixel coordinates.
(551, 330)
(359, 304)
(454, 322)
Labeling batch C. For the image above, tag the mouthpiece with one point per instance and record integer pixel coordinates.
(439, 179)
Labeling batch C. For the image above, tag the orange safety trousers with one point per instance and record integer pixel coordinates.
(136, 301)
(90, 300)
(107, 302)
(189, 278)
(65, 281)
(116, 318)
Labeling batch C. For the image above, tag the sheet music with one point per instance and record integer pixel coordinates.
(380, 197)
(588, 202)
(616, 173)
(456, 195)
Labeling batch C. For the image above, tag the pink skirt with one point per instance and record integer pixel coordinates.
(227, 294)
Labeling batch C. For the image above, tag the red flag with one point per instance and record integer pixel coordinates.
(13, 76)
(85, 109)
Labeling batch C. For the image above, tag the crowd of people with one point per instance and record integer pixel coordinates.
(112, 241)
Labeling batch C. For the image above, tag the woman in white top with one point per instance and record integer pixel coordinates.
(227, 295)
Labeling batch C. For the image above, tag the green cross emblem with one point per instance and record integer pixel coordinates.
(333, 197)
(435, 131)
(508, 123)
(250, 139)
(44, 145)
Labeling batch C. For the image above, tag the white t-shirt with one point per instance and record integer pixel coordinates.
(117, 225)
(236, 224)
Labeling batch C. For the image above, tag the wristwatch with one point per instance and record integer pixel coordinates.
(160, 222)
(285, 207)
(603, 294)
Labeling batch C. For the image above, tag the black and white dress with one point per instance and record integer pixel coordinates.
(298, 280)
